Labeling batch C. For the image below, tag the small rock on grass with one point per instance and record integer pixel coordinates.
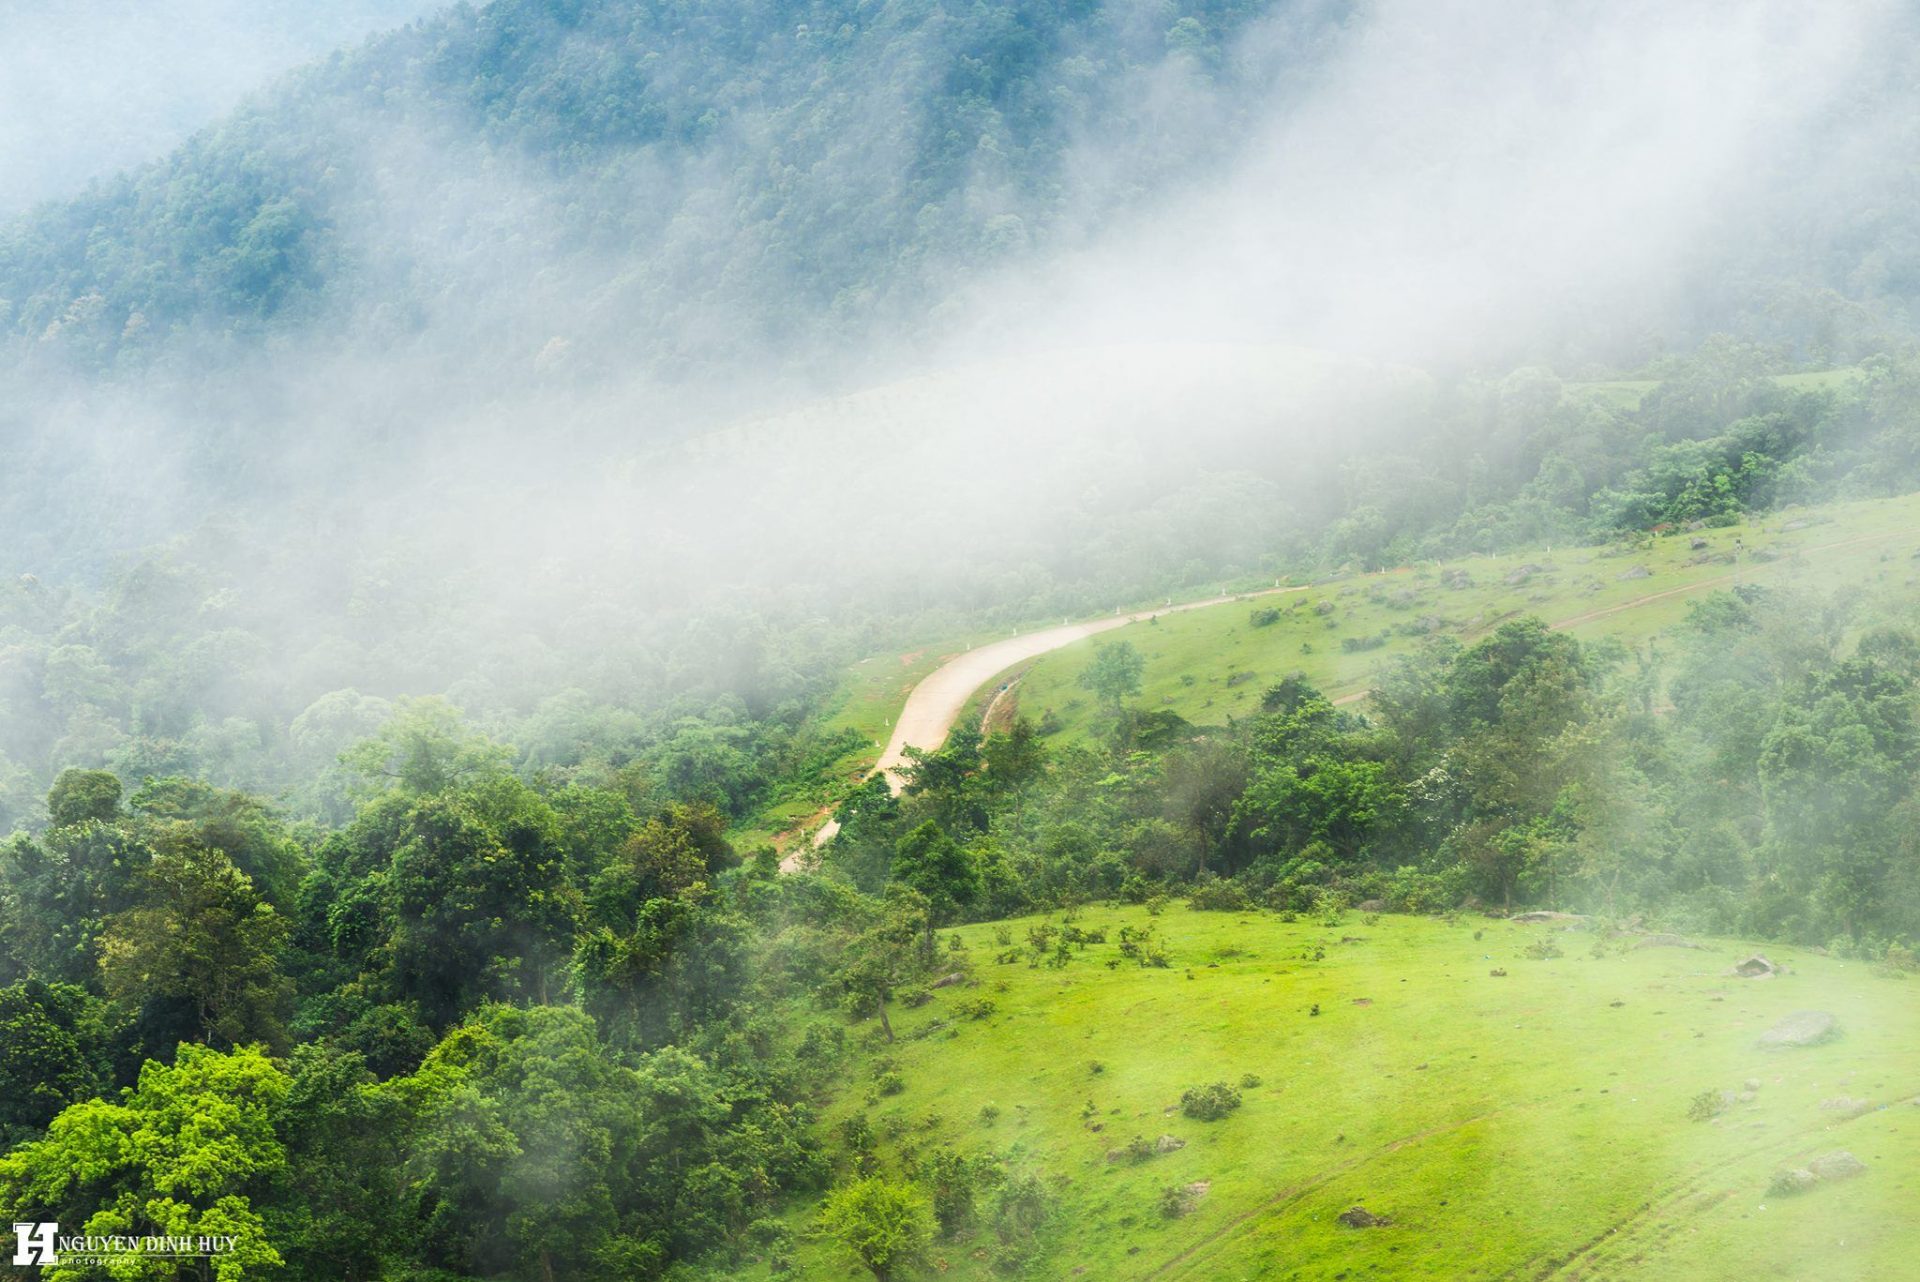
(1359, 1217)
(1828, 1167)
(1837, 1165)
(1802, 1028)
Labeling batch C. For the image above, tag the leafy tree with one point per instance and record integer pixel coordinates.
(185, 1151)
(477, 897)
(942, 871)
(425, 748)
(240, 826)
(884, 955)
(83, 796)
(885, 1224)
(198, 958)
(47, 1055)
(1114, 674)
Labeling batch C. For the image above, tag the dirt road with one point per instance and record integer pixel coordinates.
(937, 702)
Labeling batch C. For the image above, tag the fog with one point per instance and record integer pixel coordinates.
(528, 426)
(90, 87)
(1481, 184)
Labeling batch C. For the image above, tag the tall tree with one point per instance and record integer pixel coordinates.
(198, 958)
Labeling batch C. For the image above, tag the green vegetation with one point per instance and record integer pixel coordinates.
(417, 620)
(1531, 1122)
(1209, 666)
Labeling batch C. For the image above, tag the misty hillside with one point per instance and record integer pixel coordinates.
(632, 171)
(606, 185)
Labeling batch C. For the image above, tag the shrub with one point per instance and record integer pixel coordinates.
(1219, 896)
(1708, 1105)
(1209, 1103)
(1265, 617)
(1544, 948)
(978, 1008)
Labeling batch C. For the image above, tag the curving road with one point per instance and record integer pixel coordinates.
(937, 702)
(943, 694)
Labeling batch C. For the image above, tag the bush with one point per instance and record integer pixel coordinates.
(1708, 1105)
(1219, 896)
(1265, 617)
(1544, 949)
(1209, 1103)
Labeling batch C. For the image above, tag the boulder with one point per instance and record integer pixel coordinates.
(1638, 572)
(1802, 1028)
(1846, 1106)
(1667, 941)
(1837, 1165)
(1795, 1180)
(1755, 967)
(1359, 1217)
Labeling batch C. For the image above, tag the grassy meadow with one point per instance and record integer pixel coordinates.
(1211, 665)
(1531, 1124)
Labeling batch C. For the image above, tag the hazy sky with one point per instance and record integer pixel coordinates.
(88, 87)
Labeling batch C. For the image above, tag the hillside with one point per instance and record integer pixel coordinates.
(629, 174)
(1512, 1115)
(1211, 665)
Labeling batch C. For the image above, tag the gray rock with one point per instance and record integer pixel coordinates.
(1837, 1165)
(1667, 941)
(1796, 1180)
(1755, 967)
(1846, 1105)
(1359, 1217)
(1802, 1028)
(1638, 572)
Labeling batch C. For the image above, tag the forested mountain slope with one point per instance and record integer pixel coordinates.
(646, 170)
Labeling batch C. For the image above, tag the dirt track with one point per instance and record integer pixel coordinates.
(937, 702)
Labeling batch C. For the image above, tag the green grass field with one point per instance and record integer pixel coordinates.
(1212, 665)
(1532, 1125)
